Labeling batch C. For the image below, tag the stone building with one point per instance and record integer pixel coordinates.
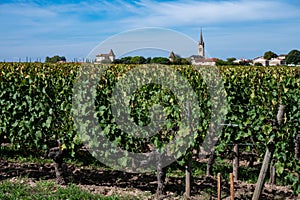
(105, 58)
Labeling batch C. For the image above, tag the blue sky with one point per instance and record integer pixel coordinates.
(231, 28)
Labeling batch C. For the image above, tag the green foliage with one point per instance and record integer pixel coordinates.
(55, 59)
(124, 60)
(36, 105)
(155, 60)
(257, 64)
(160, 60)
(47, 190)
(36, 102)
(293, 57)
(181, 61)
(270, 54)
(221, 62)
(141, 102)
(254, 94)
(228, 62)
(132, 60)
(137, 60)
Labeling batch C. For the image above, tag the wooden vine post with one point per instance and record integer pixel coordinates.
(235, 162)
(188, 167)
(219, 186)
(231, 186)
(188, 176)
(268, 155)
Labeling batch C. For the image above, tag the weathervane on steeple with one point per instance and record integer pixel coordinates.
(201, 50)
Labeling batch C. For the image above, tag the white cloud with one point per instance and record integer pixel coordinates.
(123, 15)
(202, 12)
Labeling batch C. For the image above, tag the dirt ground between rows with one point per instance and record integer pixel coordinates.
(108, 182)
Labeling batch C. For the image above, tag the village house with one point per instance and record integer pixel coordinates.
(276, 62)
(282, 56)
(261, 60)
(279, 61)
(242, 61)
(105, 58)
(204, 61)
(172, 56)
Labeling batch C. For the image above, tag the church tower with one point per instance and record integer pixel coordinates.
(201, 50)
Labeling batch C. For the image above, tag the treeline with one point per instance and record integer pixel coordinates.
(231, 62)
(292, 58)
(149, 60)
(55, 59)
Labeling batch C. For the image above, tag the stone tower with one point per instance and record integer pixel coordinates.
(201, 50)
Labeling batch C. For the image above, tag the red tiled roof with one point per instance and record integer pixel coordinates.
(208, 59)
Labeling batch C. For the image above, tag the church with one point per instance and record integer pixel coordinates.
(200, 59)
(201, 51)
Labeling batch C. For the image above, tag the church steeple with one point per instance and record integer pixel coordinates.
(201, 50)
(201, 38)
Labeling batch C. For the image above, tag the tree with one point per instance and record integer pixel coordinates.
(160, 60)
(230, 61)
(55, 59)
(258, 64)
(184, 61)
(180, 61)
(270, 54)
(220, 62)
(142, 60)
(293, 57)
(148, 60)
(138, 60)
(124, 60)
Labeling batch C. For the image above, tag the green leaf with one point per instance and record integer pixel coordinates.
(48, 121)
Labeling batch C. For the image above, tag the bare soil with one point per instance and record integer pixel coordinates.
(143, 186)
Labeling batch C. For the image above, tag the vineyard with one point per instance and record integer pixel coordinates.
(261, 115)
